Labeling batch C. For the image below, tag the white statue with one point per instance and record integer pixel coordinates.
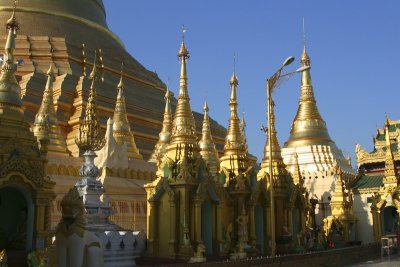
(112, 155)
(74, 245)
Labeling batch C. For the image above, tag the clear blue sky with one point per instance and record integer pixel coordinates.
(354, 48)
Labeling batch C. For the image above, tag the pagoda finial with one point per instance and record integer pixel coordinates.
(305, 59)
(183, 125)
(390, 165)
(207, 146)
(12, 22)
(89, 138)
(46, 124)
(121, 83)
(304, 34)
(12, 26)
(234, 80)
(121, 127)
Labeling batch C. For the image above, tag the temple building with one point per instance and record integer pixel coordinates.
(57, 43)
(376, 198)
(220, 207)
(316, 153)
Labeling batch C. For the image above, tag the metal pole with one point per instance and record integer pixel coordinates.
(271, 184)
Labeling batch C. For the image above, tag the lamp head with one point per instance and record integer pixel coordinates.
(288, 61)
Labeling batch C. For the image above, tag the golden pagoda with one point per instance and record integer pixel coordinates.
(174, 210)
(310, 141)
(309, 137)
(66, 33)
(207, 146)
(46, 122)
(26, 192)
(121, 127)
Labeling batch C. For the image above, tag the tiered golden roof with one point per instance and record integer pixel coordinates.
(46, 122)
(121, 127)
(89, 137)
(165, 135)
(308, 127)
(207, 146)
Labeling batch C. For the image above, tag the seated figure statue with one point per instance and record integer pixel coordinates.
(74, 245)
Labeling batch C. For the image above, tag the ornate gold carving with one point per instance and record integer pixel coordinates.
(89, 137)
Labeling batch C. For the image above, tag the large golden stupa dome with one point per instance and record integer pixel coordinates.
(66, 32)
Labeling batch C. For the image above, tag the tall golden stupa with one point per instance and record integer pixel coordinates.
(66, 32)
(311, 147)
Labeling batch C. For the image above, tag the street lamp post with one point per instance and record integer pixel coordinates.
(272, 83)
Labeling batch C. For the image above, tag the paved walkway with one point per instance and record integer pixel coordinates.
(381, 262)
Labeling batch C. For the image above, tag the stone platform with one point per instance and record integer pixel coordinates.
(329, 258)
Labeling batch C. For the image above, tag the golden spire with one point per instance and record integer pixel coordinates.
(89, 138)
(308, 126)
(183, 128)
(121, 127)
(9, 87)
(390, 165)
(276, 148)
(207, 146)
(243, 131)
(165, 135)
(234, 143)
(46, 122)
(297, 179)
(12, 120)
(235, 158)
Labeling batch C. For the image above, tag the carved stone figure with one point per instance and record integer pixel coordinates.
(242, 221)
(74, 245)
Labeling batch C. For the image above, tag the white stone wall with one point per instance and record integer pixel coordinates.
(362, 210)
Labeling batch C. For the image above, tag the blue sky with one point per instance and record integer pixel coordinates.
(354, 48)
